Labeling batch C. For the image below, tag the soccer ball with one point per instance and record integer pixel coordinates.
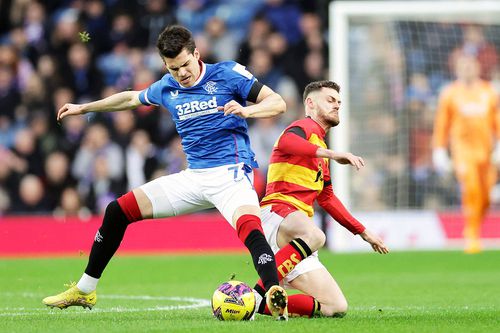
(233, 300)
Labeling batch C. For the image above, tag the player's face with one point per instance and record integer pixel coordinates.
(467, 68)
(327, 105)
(184, 68)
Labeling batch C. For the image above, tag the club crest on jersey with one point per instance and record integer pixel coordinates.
(174, 94)
(210, 87)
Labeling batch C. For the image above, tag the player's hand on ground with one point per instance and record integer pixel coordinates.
(375, 241)
(235, 108)
(69, 110)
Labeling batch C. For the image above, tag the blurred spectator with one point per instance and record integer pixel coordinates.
(123, 124)
(261, 65)
(45, 136)
(35, 30)
(9, 178)
(25, 148)
(221, 41)
(141, 160)
(21, 68)
(97, 24)
(4, 201)
(313, 69)
(31, 197)
(57, 177)
(123, 30)
(9, 94)
(64, 32)
(71, 205)
(311, 42)
(49, 73)
(98, 165)
(193, 14)
(174, 157)
(284, 16)
(157, 15)
(205, 49)
(312, 36)
(278, 46)
(80, 73)
(35, 94)
(114, 64)
(259, 30)
(104, 188)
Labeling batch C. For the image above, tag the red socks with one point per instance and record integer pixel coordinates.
(301, 305)
(129, 206)
(250, 232)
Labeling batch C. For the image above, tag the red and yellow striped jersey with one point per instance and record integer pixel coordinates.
(297, 180)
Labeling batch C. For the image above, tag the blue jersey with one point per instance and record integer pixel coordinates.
(209, 138)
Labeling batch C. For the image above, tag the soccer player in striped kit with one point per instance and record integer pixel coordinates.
(298, 176)
(208, 105)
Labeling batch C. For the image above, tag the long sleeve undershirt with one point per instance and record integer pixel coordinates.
(293, 142)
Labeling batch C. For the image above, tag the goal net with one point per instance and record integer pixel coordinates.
(391, 59)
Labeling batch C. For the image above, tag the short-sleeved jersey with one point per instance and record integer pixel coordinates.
(467, 118)
(297, 180)
(209, 138)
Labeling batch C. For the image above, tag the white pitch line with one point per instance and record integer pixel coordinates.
(21, 311)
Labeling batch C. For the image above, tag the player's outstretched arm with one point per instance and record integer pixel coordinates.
(376, 243)
(125, 100)
(341, 158)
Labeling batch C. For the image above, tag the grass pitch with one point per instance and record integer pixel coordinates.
(399, 292)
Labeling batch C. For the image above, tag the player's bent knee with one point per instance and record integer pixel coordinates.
(112, 208)
(114, 212)
(338, 310)
(320, 238)
(315, 238)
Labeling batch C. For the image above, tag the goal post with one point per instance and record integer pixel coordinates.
(391, 59)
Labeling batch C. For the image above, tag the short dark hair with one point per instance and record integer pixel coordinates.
(317, 85)
(173, 39)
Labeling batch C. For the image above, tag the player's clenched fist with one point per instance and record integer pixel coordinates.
(233, 107)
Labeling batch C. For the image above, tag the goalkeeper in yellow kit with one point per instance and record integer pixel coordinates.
(467, 122)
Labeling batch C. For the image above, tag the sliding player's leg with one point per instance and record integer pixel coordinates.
(292, 236)
(321, 287)
(322, 295)
(289, 232)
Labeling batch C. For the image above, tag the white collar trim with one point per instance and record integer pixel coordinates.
(202, 74)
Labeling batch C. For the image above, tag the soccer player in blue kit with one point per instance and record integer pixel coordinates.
(208, 105)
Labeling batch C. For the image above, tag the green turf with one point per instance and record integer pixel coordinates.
(399, 292)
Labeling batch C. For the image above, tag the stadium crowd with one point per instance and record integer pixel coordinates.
(77, 167)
